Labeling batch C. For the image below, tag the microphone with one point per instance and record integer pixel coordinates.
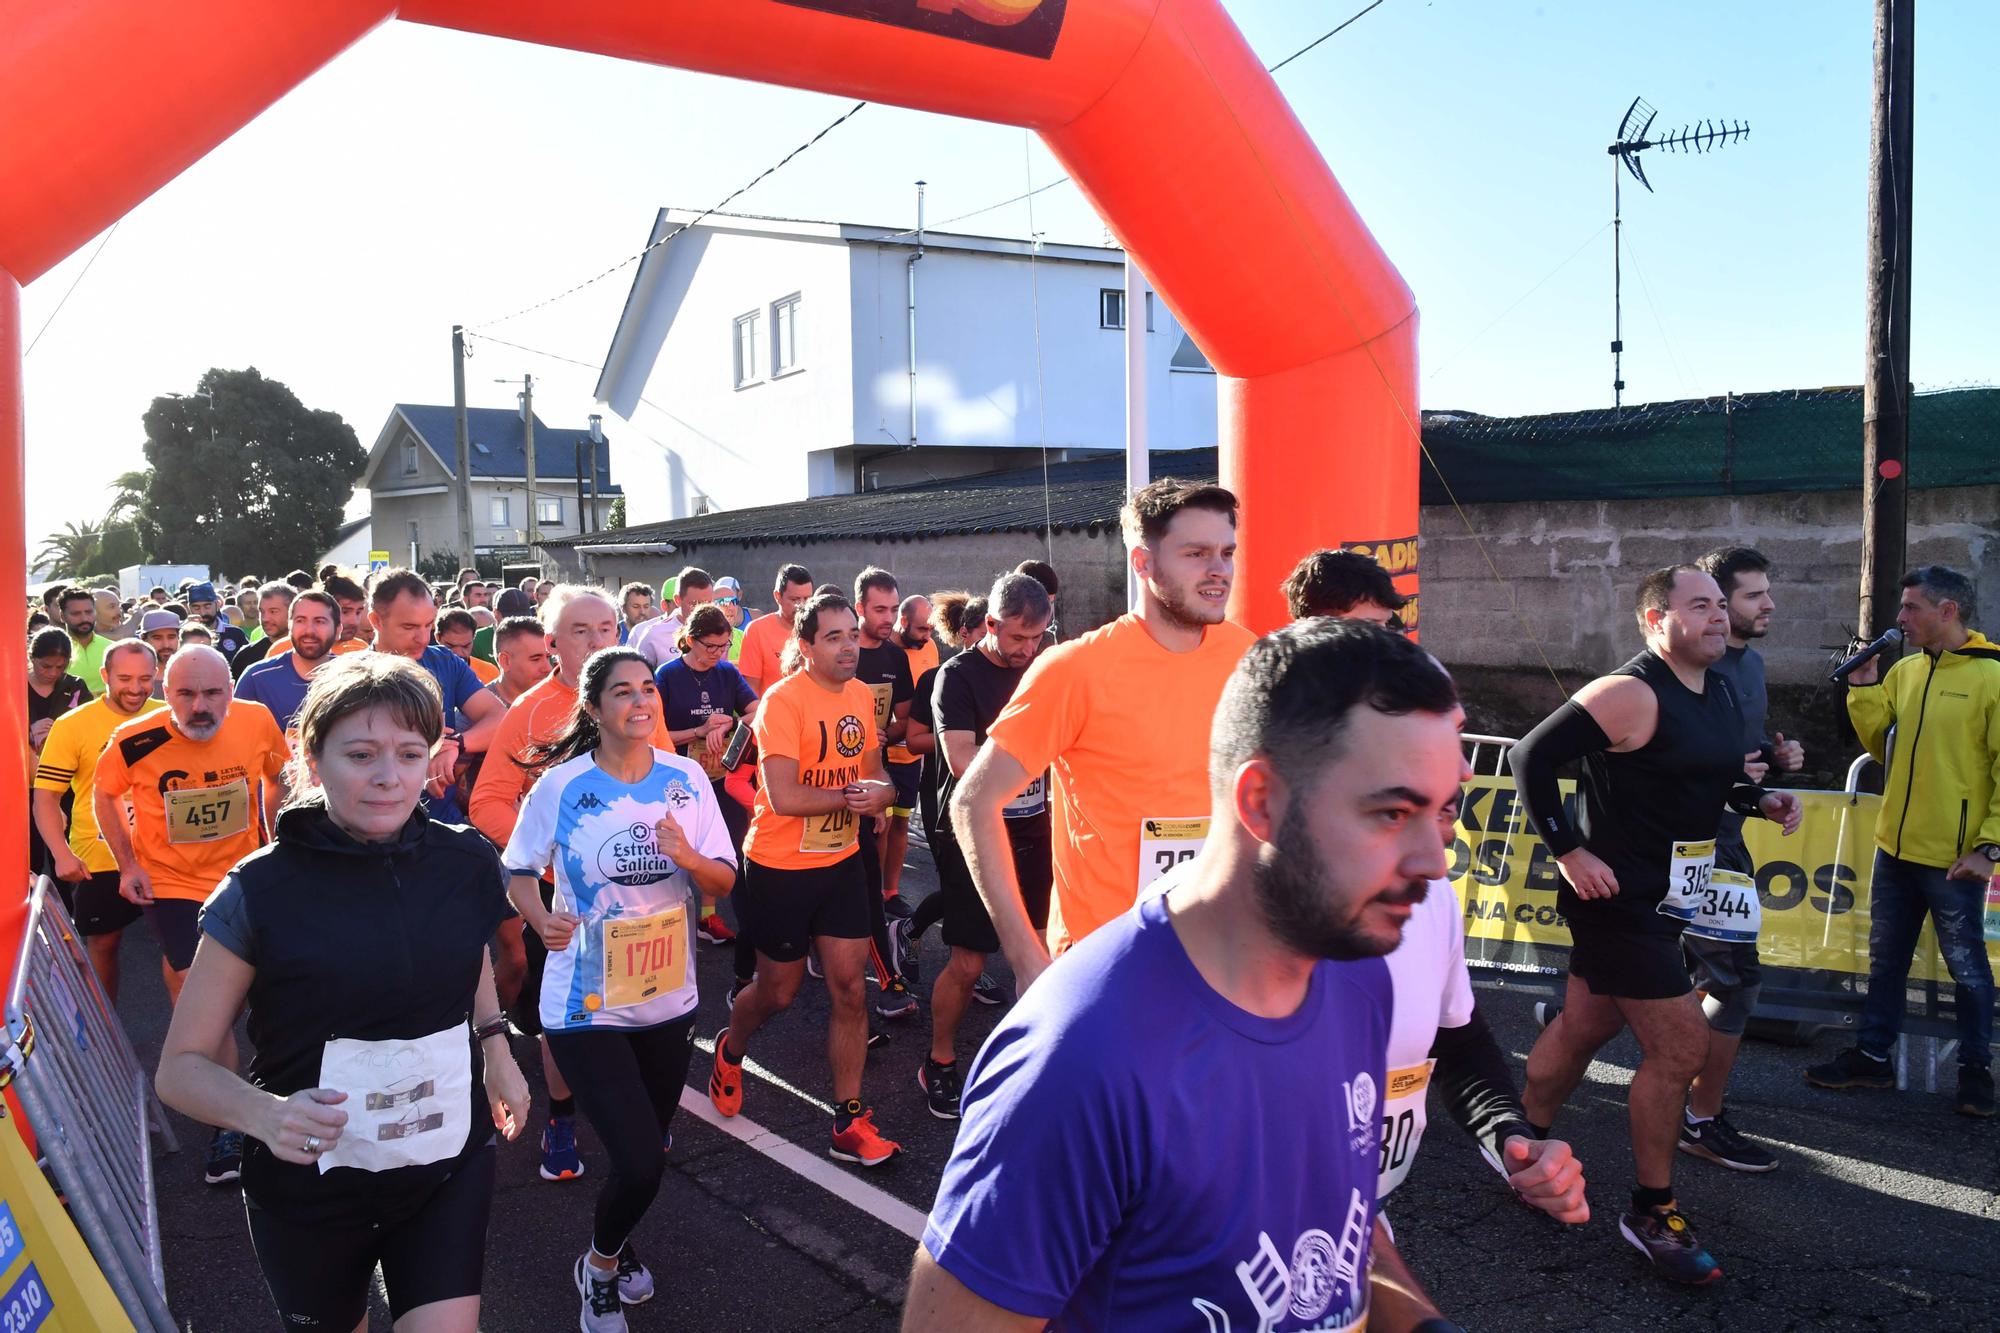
(1890, 639)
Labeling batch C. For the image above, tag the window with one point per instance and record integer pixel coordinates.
(498, 515)
(413, 534)
(1110, 308)
(746, 349)
(409, 458)
(1149, 311)
(548, 511)
(1188, 357)
(785, 334)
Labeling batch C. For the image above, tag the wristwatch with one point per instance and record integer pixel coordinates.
(1989, 850)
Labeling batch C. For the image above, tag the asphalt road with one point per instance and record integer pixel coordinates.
(1881, 1216)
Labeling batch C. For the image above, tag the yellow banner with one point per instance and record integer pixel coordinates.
(1813, 885)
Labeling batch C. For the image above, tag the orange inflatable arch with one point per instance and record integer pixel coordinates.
(1158, 108)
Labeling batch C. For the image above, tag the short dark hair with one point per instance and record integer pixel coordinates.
(692, 578)
(299, 579)
(1942, 583)
(1041, 572)
(326, 572)
(1291, 695)
(1332, 583)
(456, 618)
(1022, 596)
(1725, 563)
(871, 578)
(278, 588)
(625, 593)
(343, 587)
(807, 625)
(75, 592)
(1656, 590)
(790, 574)
(319, 597)
(51, 642)
(1146, 515)
(390, 584)
(38, 619)
(513, 627)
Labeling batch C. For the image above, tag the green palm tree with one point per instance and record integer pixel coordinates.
(128, 492)
(72, 548)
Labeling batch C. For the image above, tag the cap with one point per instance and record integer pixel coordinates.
(158, 620)
(728, 583)
(201, 592)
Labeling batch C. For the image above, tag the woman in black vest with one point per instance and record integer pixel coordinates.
(358, 938)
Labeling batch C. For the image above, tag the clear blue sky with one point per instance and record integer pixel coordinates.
(430, 177)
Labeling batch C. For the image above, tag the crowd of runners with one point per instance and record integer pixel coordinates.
(420, 832)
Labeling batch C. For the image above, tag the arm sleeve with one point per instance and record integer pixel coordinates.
(1477, 1088)
(1565, 735)
(226, 920)
(1045, 715)
(1872, 710)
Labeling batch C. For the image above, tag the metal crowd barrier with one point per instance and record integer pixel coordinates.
(91, 1106)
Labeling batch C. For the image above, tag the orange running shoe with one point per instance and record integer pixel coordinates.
(863, 1144)
(725, 1083)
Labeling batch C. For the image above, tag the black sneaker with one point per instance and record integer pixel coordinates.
(736, 988)
(225, 1153)
(895, 1001)
(1852, 1068)
(1718, 1141)
(1975, 1091)
(988, 991)
(907, 963)
(1546, 1012)
(941, 1086)
(1665, 1237)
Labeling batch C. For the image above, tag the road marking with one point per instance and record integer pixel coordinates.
(1894, 1182)
(706, 1045)
(878, 1204)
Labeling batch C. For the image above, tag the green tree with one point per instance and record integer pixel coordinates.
(71, 549)
(616, 518)
(244, 476)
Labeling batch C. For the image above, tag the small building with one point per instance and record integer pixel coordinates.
(412, 467)
(763, 360)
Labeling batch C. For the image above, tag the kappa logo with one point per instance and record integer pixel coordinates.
(589, 801)
(847, 736)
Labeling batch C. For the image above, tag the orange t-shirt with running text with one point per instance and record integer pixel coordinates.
(1122, 725)
(195, 804)
(761, 656)
(831, 733)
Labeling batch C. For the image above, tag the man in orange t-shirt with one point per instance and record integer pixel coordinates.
(1120, 717)
(762, 656)
(821, 768)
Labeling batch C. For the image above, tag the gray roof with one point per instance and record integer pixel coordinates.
(493, 436)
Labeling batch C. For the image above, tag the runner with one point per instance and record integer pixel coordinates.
(474, 594)
(358, 938)
(1661, 745)
(52, 694)
(1195, 1086)
(906, 770)
(280, 682)
(1347, 584)
(522, 646)
(76, 605)
(509, 604)
(655, 638)
(729, 596)
(161, 631)
(959, 621)
(353, 604)
(194, 633)
(204, 607)
(198, 774)
(821, 768)
(274, 615)
(636, 604)
(634, 841)
(703, 696)
(1119, 716)
(765, 639)
(454, 631)
(884, 668)
(969, 692)
(402, 613)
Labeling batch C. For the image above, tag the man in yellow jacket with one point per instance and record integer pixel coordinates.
(1937, 839)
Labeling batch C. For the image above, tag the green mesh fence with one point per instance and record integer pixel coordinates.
(1808, 440)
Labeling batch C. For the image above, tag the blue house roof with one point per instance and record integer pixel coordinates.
(494, 437)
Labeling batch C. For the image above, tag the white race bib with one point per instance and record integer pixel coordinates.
(1034, 799)
(1730, 910)
(409, 1103)
(1687, 879)
(1402, 1124)
(1165, 843)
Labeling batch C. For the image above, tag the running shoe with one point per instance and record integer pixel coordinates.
(737, 987)
(560, 1159)
(1853, 1068)
(861, 1143)
(635, 1280)
(1975, 1091)
(725, 1082)
(1720, 1142)
(1546, 1012)
(895, 1000)
(941, 1086)
(895, 908)
(989, 991)
(225, 1157)
(1665, 1237)
(812, 965)
(715, 930)
(905, 939)
(603, 1310)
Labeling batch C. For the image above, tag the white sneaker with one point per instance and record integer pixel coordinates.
(635, 1280)
(603, 1310)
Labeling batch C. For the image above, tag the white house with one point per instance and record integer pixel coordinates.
(760, 360)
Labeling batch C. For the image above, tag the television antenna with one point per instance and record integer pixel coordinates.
(1703, 137)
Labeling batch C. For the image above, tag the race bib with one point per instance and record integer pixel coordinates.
(885, 694)
(833, 831)
(1165, 843)
(1402, 1124)
(409, 1103)
(1034, 799)
(1687, 879)
(645, 957)
(1730, 910)
(206, 814)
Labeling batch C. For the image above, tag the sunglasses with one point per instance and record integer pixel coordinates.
(727, 601)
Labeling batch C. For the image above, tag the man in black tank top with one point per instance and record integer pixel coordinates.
(1660, 741)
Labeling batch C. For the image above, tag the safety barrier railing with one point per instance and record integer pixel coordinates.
(90, 1104)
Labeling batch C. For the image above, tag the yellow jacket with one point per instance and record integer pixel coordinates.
(1938, 803)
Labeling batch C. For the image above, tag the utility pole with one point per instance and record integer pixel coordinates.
(1885, 394)
(462, 479)
(596, 439)
(528, 457)
(1138, 444)
(582, 496)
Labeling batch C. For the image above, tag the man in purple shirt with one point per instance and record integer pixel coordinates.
(1179, 1121)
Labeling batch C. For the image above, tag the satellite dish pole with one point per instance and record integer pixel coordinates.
(1631, 142)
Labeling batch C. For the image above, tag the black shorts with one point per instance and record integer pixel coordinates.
(966, 923)
(1627, 964)
(908, 778)
(176, 924)
(1034, 867)
(319, 1275)
(782, 910)
(526, 1014)
(99, 908)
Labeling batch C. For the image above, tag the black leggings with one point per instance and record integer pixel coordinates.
(627, 1082)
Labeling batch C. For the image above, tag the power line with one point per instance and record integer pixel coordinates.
(630, 260)
(74, 284)
(534, 351)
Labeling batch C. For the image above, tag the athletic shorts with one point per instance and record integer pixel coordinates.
(319, 1275)
(176, 924)
(966, 923)
(527, 1011)
(908, 778)
(782, 910)
(1628, 965)
(1722, 967)
(99, 909)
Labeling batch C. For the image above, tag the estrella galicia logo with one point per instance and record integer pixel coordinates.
(630, 854)
(847, 736)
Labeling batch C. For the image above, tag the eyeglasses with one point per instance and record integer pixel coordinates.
(712, 646)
